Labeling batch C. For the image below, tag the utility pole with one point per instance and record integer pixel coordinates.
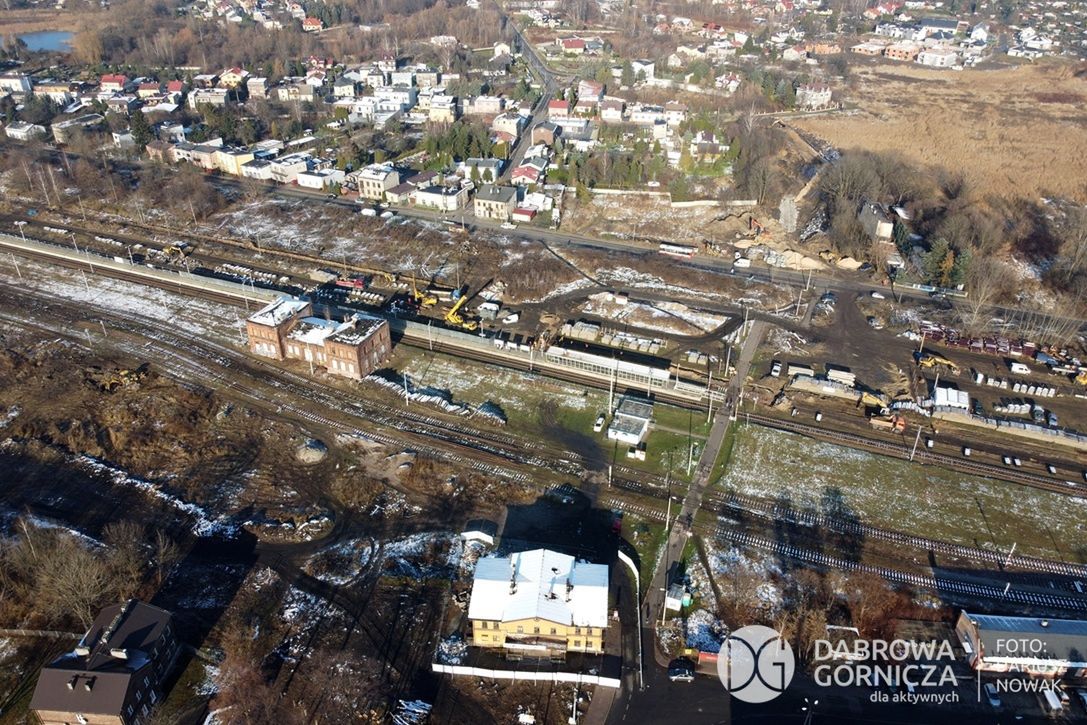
(1010, 554)
(405, 390)
(17, 268)
(709, 396)
(915, 442)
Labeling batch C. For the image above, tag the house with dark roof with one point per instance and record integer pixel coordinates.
(1035, 645)
(114, 674)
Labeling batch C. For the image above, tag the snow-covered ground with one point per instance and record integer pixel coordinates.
(705, 632)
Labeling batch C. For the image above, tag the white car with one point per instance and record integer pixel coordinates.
(1017, 462)
(1007, 460)
(510, 319)
(966, 451)
(878, 296)
(599, 424)
(775, 370)
(509, 225)
(1052, 469)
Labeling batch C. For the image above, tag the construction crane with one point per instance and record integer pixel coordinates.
(454, 318)
(872, 400)
(421, 298)
(931, 360)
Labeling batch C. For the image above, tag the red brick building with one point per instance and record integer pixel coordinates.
(287, 329)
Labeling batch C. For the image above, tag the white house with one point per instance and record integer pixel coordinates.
(320, 180)
(23, 131)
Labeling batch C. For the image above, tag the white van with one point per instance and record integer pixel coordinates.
(1051, 704)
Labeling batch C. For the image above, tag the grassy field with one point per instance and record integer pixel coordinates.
(1008, 130)
(559, 412)
(896, 494)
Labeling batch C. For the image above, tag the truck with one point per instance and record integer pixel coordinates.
(1019, 368)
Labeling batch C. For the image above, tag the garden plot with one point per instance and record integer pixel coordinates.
(895, 494)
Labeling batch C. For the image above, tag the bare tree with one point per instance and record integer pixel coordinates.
(986, 280)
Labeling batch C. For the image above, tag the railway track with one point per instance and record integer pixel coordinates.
(716, 503)
(942, 460)
(943, 585)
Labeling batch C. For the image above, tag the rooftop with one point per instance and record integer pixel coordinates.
(540, 583)
(279, 311)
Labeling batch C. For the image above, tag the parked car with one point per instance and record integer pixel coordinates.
(1051, 468)
(599, 424)
(878, 296)
(681, 670)
(1007, 460)
(990, 693)
(966, 451)
(775, 369)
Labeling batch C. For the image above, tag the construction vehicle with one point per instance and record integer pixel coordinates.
(871, 400)
(454, 318)
(421, 298)
(177, 250)
(1082, 378)
(930, 360)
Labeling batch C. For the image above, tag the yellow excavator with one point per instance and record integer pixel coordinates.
(931, 360)
(421, 298)
(454, 318)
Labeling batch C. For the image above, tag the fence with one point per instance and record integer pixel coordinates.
(521, 676)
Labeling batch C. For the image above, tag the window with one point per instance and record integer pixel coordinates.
(520, 630)
(535, 630)
(577, 630)
(554, 631)
(577, 643)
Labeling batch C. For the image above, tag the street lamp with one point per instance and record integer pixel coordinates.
(809, 708)
(20, 225)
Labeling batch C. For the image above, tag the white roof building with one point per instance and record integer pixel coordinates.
(540, 584)
(951, 398)
(279, 311)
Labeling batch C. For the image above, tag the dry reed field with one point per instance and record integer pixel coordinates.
(1010, 131)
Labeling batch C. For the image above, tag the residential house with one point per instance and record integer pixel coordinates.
(590, 91)
(175, 87)
(903, 51)
(59, 92)
(344, 87)
(233, 77)
(312, 25)
(320, 179)
(545, 133)
(15, 83)
(675, 113)
(486, 170)
(646, 115)
(706, 148)
(114, 674)
(148, 89)
(400, 98)
(531, 171)
(231, 160)
(205, 80)
(980, 32)
(285, 169)
(376, 179)
(485, 105)
(539, 601)
(257, 87)
(810, 97)
(611, 110)
(644, 70)
(509, 123)
(295, 92)
(113, 83)
(443, 109)
(286, 330)
(428, 77)
(63, 130)
(23, 131)
(875, 221)
(938, 57)
(124, 103)
(570, 46)
(218, 97)
(441, 198)
(558, 109)
(259, 169)
(495, 202)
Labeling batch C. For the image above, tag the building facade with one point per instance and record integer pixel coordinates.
(286, 330)
(1034, 645)
(495, 202)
